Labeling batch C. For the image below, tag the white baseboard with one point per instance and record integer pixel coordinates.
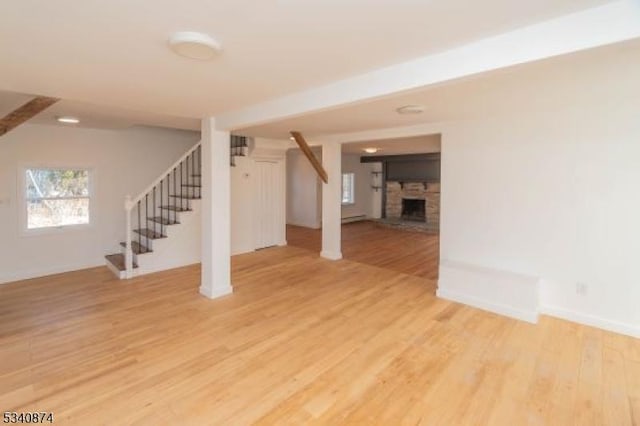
(38, 273)
(216, 292)
(306, 225)
(486, 305)
(591, 320)
(503, 292)
(331, 255)
(355, 218)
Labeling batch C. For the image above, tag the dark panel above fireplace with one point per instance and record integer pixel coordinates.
(408, 168)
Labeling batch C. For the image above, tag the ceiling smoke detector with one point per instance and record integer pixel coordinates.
(68, 120)
(370, 150)
(194, 45)
(410, 109)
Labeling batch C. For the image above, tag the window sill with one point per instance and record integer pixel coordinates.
(53, 230)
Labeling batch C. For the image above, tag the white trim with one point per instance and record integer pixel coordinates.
(331, 255)
(317, 225)
(215, 292)
(498, 308)
(591, 320)
(354, 218)
(39, 273)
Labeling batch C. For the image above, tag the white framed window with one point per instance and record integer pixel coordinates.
(348, 188)
(56, 197)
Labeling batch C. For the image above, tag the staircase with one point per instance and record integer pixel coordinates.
(157, 215)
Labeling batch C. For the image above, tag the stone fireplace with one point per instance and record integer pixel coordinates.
(413, 201)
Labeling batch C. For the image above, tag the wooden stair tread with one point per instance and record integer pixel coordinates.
(175, 208)
(149, 233)
(196, 175)
(188, 185)
(137, 248)
(185, 197)
(117, 260)
(164, 220)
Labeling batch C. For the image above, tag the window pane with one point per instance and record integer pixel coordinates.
(47, 213)
(347, 188)
(57, 183)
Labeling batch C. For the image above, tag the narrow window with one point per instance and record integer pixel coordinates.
(348, 188)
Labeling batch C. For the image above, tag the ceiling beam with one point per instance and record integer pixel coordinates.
(304, 146)
(25, 113)
(610, 23)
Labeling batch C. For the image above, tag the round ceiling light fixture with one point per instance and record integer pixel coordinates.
(410, 109)
(194, 45)
(68, 120)
(370, 150)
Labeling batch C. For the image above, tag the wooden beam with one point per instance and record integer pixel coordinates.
(25, 112)
(304, 146)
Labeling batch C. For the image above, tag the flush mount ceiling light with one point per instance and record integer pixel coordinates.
(68, 120)
(194, 45)
(410, 109)
(370, 150)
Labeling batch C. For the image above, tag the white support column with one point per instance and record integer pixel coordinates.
(216, 211)
(332, 202)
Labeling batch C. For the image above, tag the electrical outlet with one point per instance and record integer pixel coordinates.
(582, 288)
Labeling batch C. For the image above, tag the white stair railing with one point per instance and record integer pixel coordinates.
(130, 203)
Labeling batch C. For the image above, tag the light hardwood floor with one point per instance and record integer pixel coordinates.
(301, 340)
(413, 253)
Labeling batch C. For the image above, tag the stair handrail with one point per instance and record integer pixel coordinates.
(130, 203)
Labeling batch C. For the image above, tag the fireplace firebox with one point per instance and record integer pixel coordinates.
(414, 209)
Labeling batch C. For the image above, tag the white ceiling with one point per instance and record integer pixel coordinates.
(114, 53)
(587, 76)
(104, 117)
(398, 146)
(94, 116)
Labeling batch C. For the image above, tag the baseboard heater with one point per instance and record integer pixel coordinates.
(354, 218)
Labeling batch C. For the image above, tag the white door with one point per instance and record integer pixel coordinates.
(267, 206)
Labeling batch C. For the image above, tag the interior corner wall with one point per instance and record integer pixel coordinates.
(304, 202)
(363, 196)
(554, 195)
(123, 162)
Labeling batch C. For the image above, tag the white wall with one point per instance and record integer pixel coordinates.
(554, 195)
(363, 197)
(304, 191)
(123, 161)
